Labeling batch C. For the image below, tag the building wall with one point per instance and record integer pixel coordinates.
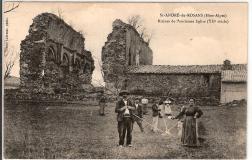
(135, 45)
(52, 56)
(60, 32)
(187, 85)
(233, 91)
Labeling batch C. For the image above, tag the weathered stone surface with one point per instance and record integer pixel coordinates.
(122, 70)
(176, 85)
(120, 51)
(53, 57)
(205, 88)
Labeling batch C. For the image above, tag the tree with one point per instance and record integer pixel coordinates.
(12, 7)
(10, 57)
(60, 14)
(137, 22)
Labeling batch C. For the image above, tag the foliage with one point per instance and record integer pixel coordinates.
(10, 58)
(137, 22)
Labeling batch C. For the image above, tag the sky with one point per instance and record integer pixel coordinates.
(172, 44)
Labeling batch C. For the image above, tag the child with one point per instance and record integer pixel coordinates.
(145, 103)
(180, 123)
(155, 115)
(161, 108)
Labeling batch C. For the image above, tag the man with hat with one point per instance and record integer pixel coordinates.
(124, 109)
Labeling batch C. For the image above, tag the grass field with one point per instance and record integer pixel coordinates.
(77, 131)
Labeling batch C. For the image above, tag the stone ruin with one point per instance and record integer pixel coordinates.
(53, 58)
(124, 47)
(127, 64)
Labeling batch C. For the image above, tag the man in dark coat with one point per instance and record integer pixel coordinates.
(138, 114)
(124, 109)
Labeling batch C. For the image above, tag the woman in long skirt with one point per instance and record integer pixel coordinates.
(189, 130)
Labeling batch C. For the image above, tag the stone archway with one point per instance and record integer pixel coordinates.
(51, 54)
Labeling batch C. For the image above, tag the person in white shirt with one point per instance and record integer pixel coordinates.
(167, 114)
(145, 104)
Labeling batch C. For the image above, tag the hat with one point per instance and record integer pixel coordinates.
(167, 102)
(123, 92)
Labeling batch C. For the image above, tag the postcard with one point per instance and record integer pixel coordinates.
(124, 80)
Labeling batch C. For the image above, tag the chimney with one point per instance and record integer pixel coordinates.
(227, 65)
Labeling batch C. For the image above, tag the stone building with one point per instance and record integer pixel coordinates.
(53, 57)
(202, 82)
(120, 56)
(233, 85)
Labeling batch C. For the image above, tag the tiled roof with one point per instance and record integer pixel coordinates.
(179, 69)
(234, 76)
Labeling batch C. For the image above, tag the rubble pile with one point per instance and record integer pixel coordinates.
(236, 103)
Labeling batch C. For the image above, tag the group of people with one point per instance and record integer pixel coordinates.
(127, 114)
(130, 112)
(187, 120)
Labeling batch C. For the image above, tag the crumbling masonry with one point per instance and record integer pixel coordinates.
(53, 57)
(124, 47)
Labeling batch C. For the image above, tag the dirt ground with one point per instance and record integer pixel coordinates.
(77, 131)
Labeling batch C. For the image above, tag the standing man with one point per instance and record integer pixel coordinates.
(102, 103)
(124, 110)
(138, 114)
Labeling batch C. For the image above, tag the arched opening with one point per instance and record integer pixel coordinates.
(129, 61)
(137, 59)
(51, 54)
(65, 64)
(86, 68)
(77, 66)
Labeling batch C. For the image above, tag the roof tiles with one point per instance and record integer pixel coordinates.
(234, 76)
(182, 69)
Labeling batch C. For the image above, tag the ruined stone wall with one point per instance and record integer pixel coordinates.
(199, 86)
(114, 60)
(135, 45)
(53, 57)
(120, 50)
